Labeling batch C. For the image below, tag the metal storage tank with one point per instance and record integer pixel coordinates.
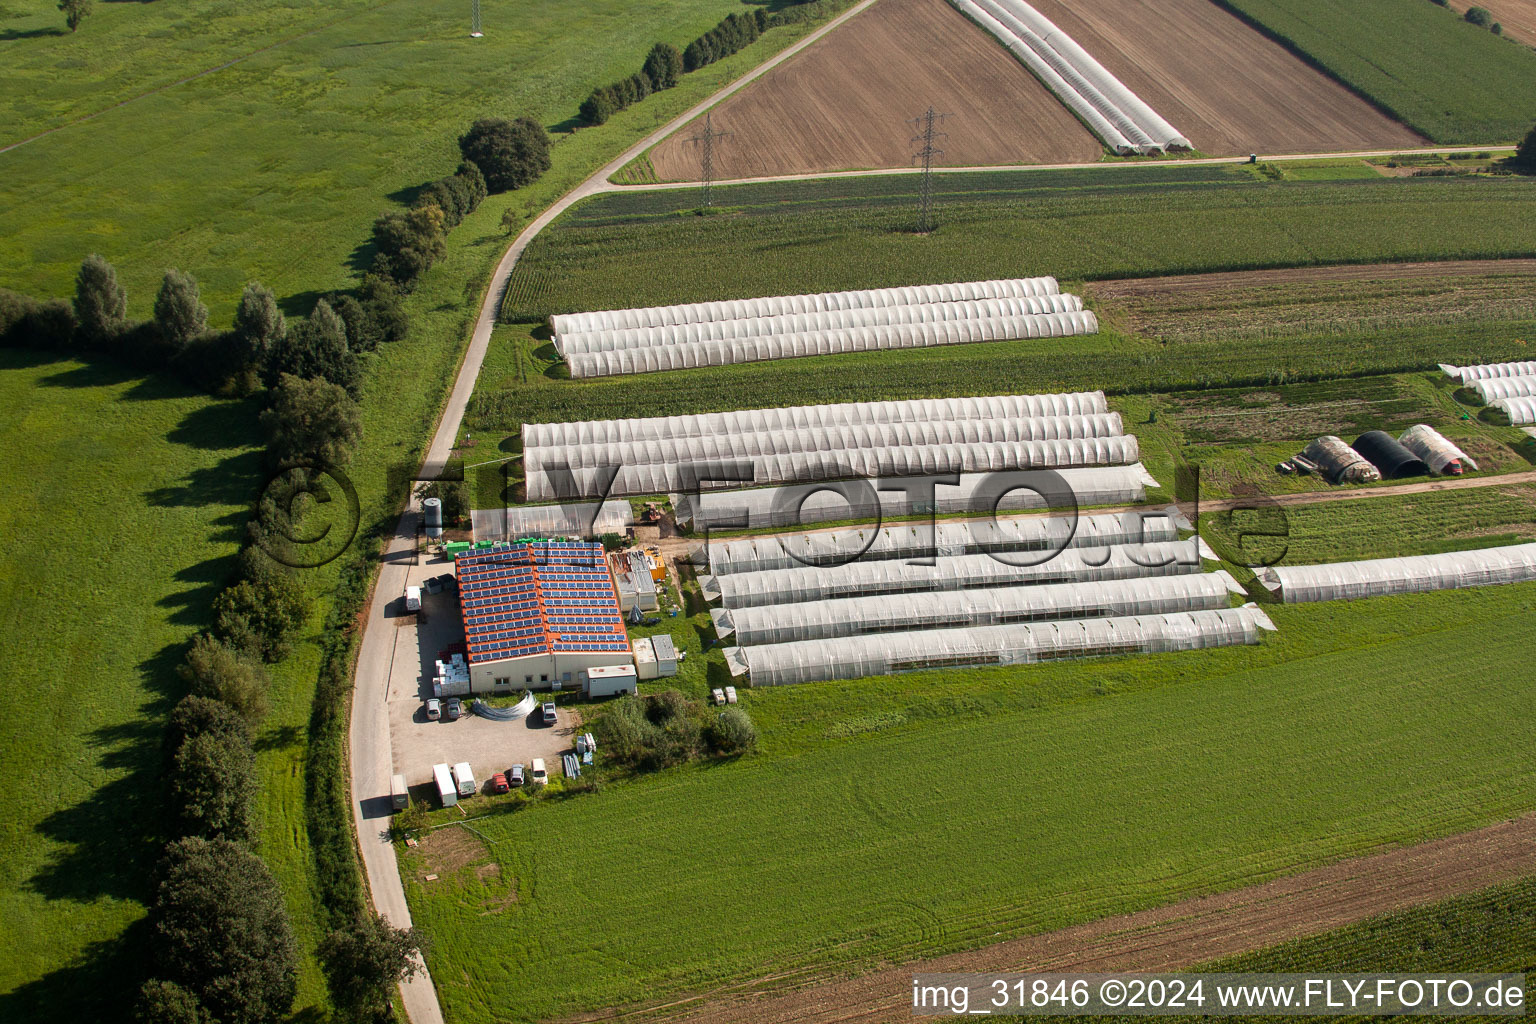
(432, 509)
(1388, 455)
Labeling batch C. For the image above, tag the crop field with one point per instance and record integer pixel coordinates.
(845, 103)
(1355, 726)
(126, 499)
(1453, 82)
(1094, 224)
(1221, 82)
(275, 166)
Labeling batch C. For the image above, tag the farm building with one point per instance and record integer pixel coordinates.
(886, 653)
(1343, 581)
(655, 656)
(980, 536)
(992, 606)
(587, 520)
(784, 327)
(538, 613)
(862, 579)
(1387, 454)
(769, 507)
(1440, 454)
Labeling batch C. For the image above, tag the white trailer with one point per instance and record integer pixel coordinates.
(610, 680)
(465, 777)
(447, 792)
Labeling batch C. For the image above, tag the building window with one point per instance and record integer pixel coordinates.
(527, 679)
(543, 679)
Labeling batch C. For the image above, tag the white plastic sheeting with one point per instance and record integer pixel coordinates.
(964, 572)
(544, 484)
(942, 540)
(801, 323)
(1519, 410)
(683, 356)
(1117, 115)
(1437, 451)
(780, 305)
(1492, 389)
(1488, 371)
(770, 507)
(996, 606)
(582, 519)
(752, 421)
(887, 653)
(830, 439)
(1346, 581)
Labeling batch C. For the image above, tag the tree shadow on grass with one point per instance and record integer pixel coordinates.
(7, 34)
(100, 984)
(191, 603)
(217, 426)
(94, 374)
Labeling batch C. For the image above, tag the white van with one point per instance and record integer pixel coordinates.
(465, 778)
(413, 599)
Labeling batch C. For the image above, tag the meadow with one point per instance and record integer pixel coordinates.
(1453, 82)
(1353, 727)
(1110, 223)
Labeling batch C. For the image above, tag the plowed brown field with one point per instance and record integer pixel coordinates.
(1220, 82)
(1168, 938)
(1517, 16)
(844, 103)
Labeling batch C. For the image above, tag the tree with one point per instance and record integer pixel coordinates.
(598, 107)
(311, 419)
(260, 617)
(217, 670)
(179, 311)
(1525, 155)
(165, 1002)
(475, 181)
(366, 960)
(213, 788)
(510, 154)
(510, 220)
(664, 66)
(409, 242)
(362, 331)
(221, 931)
(101, 305)
(259, 324)
(317, 347)
(454, 496)
(198, 716)
(1479, 16)
(75, 11)
(381, 298)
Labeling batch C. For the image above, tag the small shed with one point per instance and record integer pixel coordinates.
(666, 655)
(1388, 455)
(645, 658)
(611, 680)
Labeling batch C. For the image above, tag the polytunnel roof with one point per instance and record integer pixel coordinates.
(581, 519)
(1338, 581)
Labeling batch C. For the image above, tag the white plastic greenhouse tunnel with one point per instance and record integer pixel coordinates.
(1344, 581)
(1491, 389)
(1519, 410)
(1488, 371)
(852, 657)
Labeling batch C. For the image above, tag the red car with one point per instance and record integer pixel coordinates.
(499, 783)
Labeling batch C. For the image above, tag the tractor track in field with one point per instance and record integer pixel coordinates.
(1172, 937)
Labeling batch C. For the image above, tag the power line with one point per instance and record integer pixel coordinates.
(708, 137)
(927, 136)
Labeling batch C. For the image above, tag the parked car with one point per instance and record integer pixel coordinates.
(540, 776)
(434, 585)
(549, 712)
(454, 709)
(499, 783)
(434, 709)
(515, 775)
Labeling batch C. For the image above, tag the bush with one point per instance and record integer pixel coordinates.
(198, 716)
(454, 495)
(221, 932)
(28, 323)
(216, 670)
(651, 732)
(260, 617)
(732, 732)
(316, 349)
(599, 107)
(1480, 16)
(510, 154)
(213, 788)
(362, 330)
(663, 66)
(736, 31)
(165, 1002)
(381, 298)
(409, 243)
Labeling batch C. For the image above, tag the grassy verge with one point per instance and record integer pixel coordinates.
(1454, 82)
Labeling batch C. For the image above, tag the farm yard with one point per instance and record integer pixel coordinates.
(845, 103)
(1222, 83)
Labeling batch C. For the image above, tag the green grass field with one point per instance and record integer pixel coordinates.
(1453, 82)
(908, 816)
(1085, 225)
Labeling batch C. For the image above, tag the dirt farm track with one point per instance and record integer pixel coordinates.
(844, 103)
(1168, 938)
